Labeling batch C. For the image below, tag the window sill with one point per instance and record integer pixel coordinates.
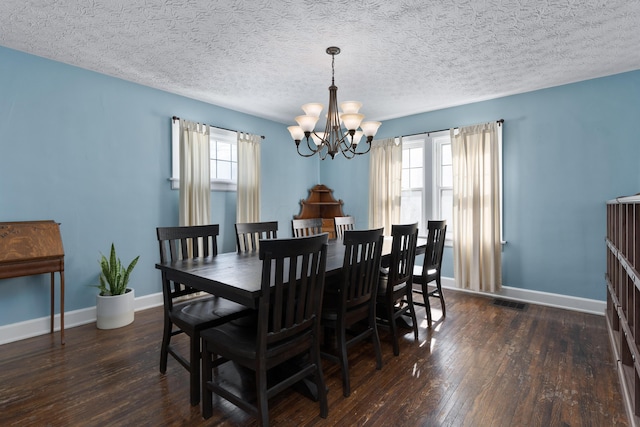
(216, 185)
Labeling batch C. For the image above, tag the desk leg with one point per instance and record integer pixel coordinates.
(61, 303)
(53, 279)
(62, 306)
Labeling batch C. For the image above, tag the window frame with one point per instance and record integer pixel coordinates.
(438, 140)
(431, 201)
(215, 134)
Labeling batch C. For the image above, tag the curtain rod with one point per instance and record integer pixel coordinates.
(230, 130)
(501, 121)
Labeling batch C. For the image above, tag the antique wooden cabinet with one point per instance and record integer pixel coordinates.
(321, 204)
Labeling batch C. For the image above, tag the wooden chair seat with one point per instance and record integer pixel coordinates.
(384, 281)
(204, 312)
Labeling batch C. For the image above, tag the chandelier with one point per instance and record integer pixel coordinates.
(341, 133)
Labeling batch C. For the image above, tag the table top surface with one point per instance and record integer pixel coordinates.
(237, 276)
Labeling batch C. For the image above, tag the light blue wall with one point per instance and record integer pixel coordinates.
(567, 150)
(93, 153)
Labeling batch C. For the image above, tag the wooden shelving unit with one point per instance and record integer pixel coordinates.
(321, 204)
(623, 296)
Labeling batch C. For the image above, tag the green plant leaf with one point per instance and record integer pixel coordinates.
(114, 277)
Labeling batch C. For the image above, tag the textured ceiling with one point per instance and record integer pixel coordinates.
(267, 57)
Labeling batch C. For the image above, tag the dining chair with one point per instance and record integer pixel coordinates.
(288, 327)
(248, 234)
(431, 268)
(306, 227)
(185, 311)
(395, 297)
(354, 301)
(343, 223)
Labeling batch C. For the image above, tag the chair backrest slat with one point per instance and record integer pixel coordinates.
(435, 245)
(249, 234)
(185, 242)
(306, 227)
(292, 284)
(361, 266)
(403, 254)
(343, 223)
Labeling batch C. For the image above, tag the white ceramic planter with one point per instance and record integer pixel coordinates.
(115, 311)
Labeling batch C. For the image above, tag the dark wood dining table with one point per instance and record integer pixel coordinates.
(236, 276)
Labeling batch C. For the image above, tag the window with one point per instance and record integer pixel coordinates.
(223, 149)
(224, 159)
(427, 180)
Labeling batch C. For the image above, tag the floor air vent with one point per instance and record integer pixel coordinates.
(510, 304)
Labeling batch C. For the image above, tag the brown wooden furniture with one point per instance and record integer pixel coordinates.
(306, 227)
(236, 276)
(623, 296)
(190, 315)
(33, 247)
(354, 302)
(395, 291)
(431, 267)
(288, 327)
(343, 223)
(248, 234)
(321, 204)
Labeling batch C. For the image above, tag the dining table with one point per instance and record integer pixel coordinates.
(236, 276)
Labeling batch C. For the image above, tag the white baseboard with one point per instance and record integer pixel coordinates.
(31, 328)
(566, 302)
(34, 327)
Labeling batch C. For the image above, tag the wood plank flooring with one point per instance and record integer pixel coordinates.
(483, 365)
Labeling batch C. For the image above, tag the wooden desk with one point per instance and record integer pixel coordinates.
(236, 277)
(33, 247)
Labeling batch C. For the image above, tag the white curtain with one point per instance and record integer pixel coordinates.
(195, 178)
(248, 208)
(385, 174)
(476, 207)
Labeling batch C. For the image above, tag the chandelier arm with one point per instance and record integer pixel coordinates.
(347, 155)
(348, 146)
(358, 153)
(313, 153)
(314, 150)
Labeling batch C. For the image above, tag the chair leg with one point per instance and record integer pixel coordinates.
(427, 306)
(375, 337)
(164, 348)
(344, 362)
(440, 294)
(394, 330)
(194, 370)
(319, 379)
(412, 311)
(262, 401)
(207, 376)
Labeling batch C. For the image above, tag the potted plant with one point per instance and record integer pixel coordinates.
(115, 302)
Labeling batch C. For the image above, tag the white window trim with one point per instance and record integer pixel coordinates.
(438, 139)
(216, 184)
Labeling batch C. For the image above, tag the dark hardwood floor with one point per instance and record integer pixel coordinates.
(483, 365)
